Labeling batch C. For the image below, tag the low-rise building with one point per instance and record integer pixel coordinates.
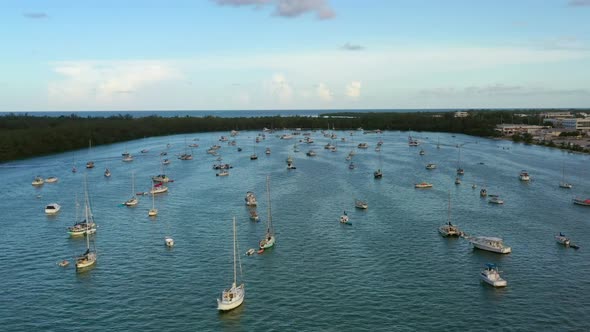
(576, 123)
(511, 129)
(556, 115)
(461, 114)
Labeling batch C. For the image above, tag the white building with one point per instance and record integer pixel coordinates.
(556, 115)
(461, 114)
(578, 124)
(511, 129)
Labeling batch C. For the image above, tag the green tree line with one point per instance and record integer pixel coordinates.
(25, 135)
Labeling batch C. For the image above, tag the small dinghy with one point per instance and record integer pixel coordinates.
(250, 252)
(344, 219)
(64, 263)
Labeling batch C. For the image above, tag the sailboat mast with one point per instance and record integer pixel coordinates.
(86, 214)
(235, 273)
(269, 226)
(449, 209)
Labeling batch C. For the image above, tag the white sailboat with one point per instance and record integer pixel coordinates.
(460, 171)
(449, 229)
(269, 237)
(88, 258)
(563, 184)
(133, 200)
(233, 297)
(153, 211)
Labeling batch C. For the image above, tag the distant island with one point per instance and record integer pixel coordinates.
(26, 135)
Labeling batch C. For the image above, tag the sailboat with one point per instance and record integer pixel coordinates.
(378, 174)
(564, 184)
(74, 169)
(133, 200)
(88, 258)
(89, 164)
(460, 171)
(253, 156)
(449, 229)
(153, 211)
(269, 237)
(233, 297)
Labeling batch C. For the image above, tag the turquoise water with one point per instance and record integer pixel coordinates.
(389, 271)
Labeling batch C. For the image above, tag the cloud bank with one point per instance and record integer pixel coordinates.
(287, 8)
(35, 15)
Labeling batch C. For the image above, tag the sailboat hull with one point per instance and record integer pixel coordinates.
(227, 304)
(267, 243)
(86, 262)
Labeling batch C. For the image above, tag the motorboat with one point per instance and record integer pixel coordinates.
(448, 230)
(251, 199)
(483, 192)
(267, 151)
(362, 146)
(460, 171)
(457, 181)
(185, 156)
(581, 201)
(161, 178)
(52, 208)
(107, 173)
(359, 204)
(422, 152)
(291, 166)
(166, 162)
(491, 275)
(38, 181)
(311, 153)
(223, 172)
(493, 244)
(430, 166)
(423, 185)
(344, 218)
(128, 158)
(494, 199)
(289, 160)
(524, 176)
(51, 179)
(562, 239)
(90, 164)
(145, 151)
(169, 241)
(351, 165)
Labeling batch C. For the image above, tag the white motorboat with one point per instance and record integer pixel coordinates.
(169, 241)
(359, 204)
(51, 179)
(38, 181)
(291, 166)
(107, 173)
(430, 166)
(233, 297)
(562, 239)
(250, 199)
(289, 160)
(494, 199)
(166, 162)
(311, 153)
(423, 185)
(493, 244)
(491, 275)
(524, 176)
(52, 208)
(161, 178)
(267, 151)
(223, 172)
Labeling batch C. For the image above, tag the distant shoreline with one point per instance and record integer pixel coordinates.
(29, 135)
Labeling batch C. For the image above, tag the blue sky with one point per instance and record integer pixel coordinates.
(293, 54)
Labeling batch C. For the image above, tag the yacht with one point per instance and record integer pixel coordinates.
(52, 208)
(562, 239)
(493, 244)
(524, 176)
(251, 199)
(423, 185)
(430, 166)
(161, 178)
(491, 275)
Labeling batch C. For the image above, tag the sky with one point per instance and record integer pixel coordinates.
(111, 55)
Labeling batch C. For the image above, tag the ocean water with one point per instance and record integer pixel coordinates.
(389, 271)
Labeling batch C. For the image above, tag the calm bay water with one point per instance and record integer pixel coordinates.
(389, 271)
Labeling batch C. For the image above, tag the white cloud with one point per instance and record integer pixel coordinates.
(281, 89)
(106, 81)
(324, 92)
(353, 89)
